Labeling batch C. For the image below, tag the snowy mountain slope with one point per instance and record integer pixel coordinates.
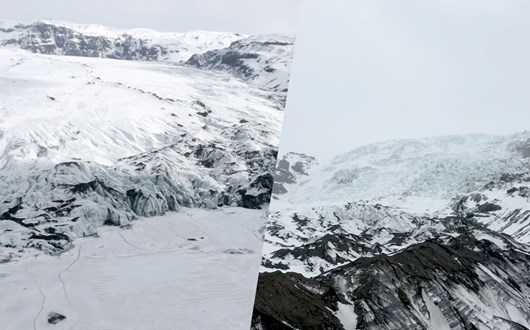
(503, 205)
(358, 231)
(87, 142)
(462, 283)
(65, 38)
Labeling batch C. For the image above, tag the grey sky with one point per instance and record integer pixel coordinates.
(243, 16)
(372, 70)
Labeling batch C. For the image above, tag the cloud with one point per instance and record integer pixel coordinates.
(368, 71)
(244, 16)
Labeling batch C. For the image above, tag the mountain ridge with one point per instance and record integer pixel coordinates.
(263, 60)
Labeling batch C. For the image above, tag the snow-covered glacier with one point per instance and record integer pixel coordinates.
(428, 233)
(116, 151)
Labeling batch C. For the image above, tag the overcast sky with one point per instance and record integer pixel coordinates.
(371, 70)
(243, 16)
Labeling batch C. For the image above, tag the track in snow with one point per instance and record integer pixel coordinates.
(157, 280)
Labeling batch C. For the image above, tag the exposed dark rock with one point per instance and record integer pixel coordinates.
(268, 264)
(52, 237)
(278, 189)
(300, 168)
(45, 38)
(230, 58)
(327, 248)
(283, 165)
(383, 287)
(524, 149)
(282, 302)
(201, 104)
(240, 59)
(54, 318)
(488, 207)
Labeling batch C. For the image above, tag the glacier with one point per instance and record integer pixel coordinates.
(133, 181)
(428, 233)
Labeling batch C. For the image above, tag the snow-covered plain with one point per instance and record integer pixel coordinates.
(195, 269)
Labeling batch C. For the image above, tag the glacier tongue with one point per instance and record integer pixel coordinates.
(87, 142)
